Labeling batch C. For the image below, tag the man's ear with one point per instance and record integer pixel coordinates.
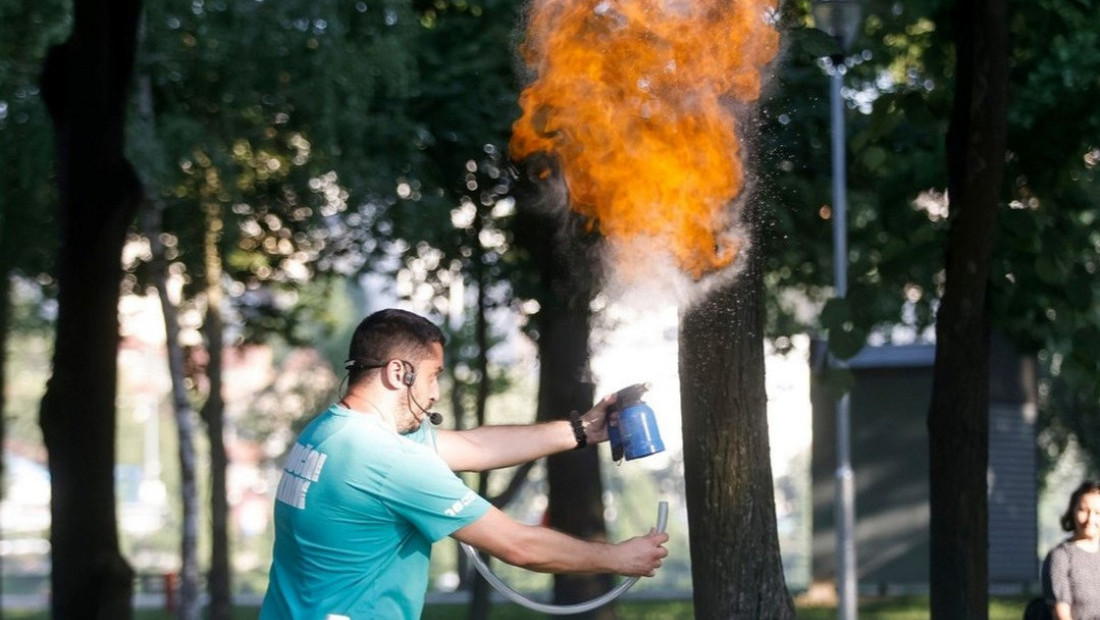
(393, 375)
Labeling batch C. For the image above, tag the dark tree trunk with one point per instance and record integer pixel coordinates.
(189, 605)
(735, 563)
(958, 421)
(567, 281)
(213, 413)
(85, 82)
(576, 502)
(480, 592)
(221, 603)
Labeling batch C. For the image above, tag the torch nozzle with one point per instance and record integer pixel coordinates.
(628, 396)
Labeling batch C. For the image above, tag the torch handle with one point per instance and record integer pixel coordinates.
(628, 396)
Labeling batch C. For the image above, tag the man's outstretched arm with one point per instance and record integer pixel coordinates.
(491, 447)
(550, 551)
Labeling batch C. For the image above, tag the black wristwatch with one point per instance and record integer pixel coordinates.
(578, 429)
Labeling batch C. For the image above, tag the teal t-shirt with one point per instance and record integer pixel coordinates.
(356, 512)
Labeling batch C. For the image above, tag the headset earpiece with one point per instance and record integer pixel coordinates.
(409, 378)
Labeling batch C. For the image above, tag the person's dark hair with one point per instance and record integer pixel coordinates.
(1069, 519)
(387, 335)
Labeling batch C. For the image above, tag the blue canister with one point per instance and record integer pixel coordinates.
(636, 435)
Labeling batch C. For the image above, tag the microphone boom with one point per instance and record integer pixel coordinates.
(433, 416)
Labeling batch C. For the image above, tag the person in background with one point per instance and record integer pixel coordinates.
(369, 486)
(1071, 571)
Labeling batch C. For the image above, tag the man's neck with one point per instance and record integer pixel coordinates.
(363, 404)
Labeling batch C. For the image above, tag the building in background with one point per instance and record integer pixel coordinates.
(889, 445)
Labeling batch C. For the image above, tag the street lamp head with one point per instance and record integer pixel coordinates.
(839, 19)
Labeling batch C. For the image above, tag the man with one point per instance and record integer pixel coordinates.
(368, 487)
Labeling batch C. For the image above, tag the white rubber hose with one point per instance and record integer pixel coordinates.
(577, 608)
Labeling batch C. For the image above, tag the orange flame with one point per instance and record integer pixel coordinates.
(633, 97)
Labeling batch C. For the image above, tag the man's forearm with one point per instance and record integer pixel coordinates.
(546, 550)
(493, 447)
(549, 551)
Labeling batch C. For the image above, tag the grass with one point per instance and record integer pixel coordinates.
(914, 608)
(889, 608)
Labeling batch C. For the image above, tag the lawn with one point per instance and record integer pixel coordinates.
(892, 608)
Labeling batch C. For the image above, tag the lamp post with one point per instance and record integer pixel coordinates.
(840, 19)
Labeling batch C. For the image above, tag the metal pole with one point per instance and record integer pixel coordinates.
(845, 483)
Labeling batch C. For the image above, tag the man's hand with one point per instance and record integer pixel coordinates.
(549, 551)
(595, 420)
(494, 446)
(642, 555)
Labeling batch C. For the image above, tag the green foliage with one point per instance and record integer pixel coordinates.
(334, 137)
(452, 225)
(28, 228)
(896, 115)
(845, 338)
(1049, 254)
(1045, 276)
(462, 111)
(898, 90)
(284, 121)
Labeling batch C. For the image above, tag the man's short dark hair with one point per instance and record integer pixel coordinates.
(387, 335)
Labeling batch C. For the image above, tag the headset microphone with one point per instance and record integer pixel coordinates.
(409, 378)
(434, 417)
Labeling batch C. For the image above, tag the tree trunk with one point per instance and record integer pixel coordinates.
(567, 283)
(735, 563)
(576, 490)
(213, 413)
(189, 605)
(481, 591)
(958, 421)
(85, 82)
